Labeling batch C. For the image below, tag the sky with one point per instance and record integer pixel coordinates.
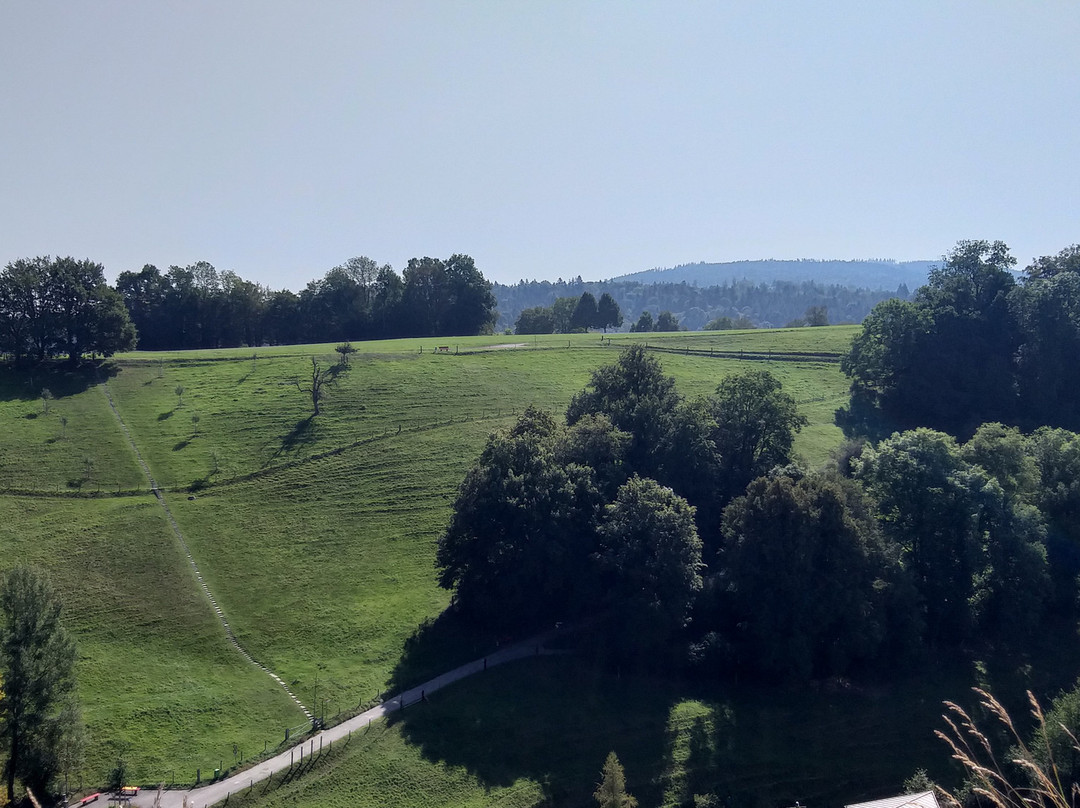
(545, 139)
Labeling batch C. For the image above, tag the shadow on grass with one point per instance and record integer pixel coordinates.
(302, 434)
(25, 383)
(437, 646)
(165, 416)
(553, 720)
(181, 445)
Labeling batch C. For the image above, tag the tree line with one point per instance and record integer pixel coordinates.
(681, 531)
(198, 307)
(763, 305)
(63, 307)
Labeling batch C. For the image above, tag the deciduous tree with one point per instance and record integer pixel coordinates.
(638, 398)
(756, 424)
(517, 549)
(650, 560)
(316, 384)
(812, 586)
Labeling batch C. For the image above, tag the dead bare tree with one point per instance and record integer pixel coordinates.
(316, 387)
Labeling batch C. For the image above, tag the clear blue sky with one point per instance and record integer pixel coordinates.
(545, 139)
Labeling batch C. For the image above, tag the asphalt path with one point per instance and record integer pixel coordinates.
(212, 793)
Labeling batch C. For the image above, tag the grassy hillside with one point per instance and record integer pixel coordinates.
(316, 535)
(536, 733)
(158, 683)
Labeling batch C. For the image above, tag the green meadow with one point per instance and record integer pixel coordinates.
(317, 537)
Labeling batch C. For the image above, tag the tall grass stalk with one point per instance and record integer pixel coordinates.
(1018, 781)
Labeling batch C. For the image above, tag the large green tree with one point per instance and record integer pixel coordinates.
(1046, 310)
(517, 549)
(37, 663)
(536, 320)
(56, 306)
(638, 398)
(971, 548)
(650, 562)
(812, 586)
(756, 423)
(608, 314)
(974, 345)
(586, 314)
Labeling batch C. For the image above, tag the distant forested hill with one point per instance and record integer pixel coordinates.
(877, 274)
(766, 304)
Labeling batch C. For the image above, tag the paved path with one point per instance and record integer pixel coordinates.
(216, 792)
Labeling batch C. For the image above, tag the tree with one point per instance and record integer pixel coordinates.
(667, 322)
(442, 298)
(611, 793)
(944, 360)
(1003, 452)
(723, 323)
(977, 555)
(644, 323)
(344, 351)
(817, 316)
(50, 307)
(516, 552)
(811, 585)
(537, 320)
(316, 385)
(424, 297)
(607, 313)
(37, 660)
(638, 398)
(471, 309)
(562, 311)
(1046, 311)
(585, 314)
(1068, 260)
(650, 562)
(756, 423)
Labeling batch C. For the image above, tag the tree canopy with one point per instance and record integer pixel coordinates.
(975, 345)
(60, 306)
(197, 306)
(812, 586)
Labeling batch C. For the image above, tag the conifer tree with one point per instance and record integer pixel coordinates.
(611, 793)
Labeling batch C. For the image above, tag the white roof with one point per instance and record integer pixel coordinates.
(924, 799)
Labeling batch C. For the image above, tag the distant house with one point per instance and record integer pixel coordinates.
(924, 799)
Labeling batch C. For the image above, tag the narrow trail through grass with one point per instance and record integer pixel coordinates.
(191, 559)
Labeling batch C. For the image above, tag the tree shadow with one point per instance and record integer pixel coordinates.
(181, 445)
(437, 646)
(552, 720)
(25, 383)
(302, 434)
(165, 416)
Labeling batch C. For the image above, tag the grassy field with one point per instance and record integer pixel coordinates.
(316, 535)
(49, 450)
(158, 683)
(536, 733)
